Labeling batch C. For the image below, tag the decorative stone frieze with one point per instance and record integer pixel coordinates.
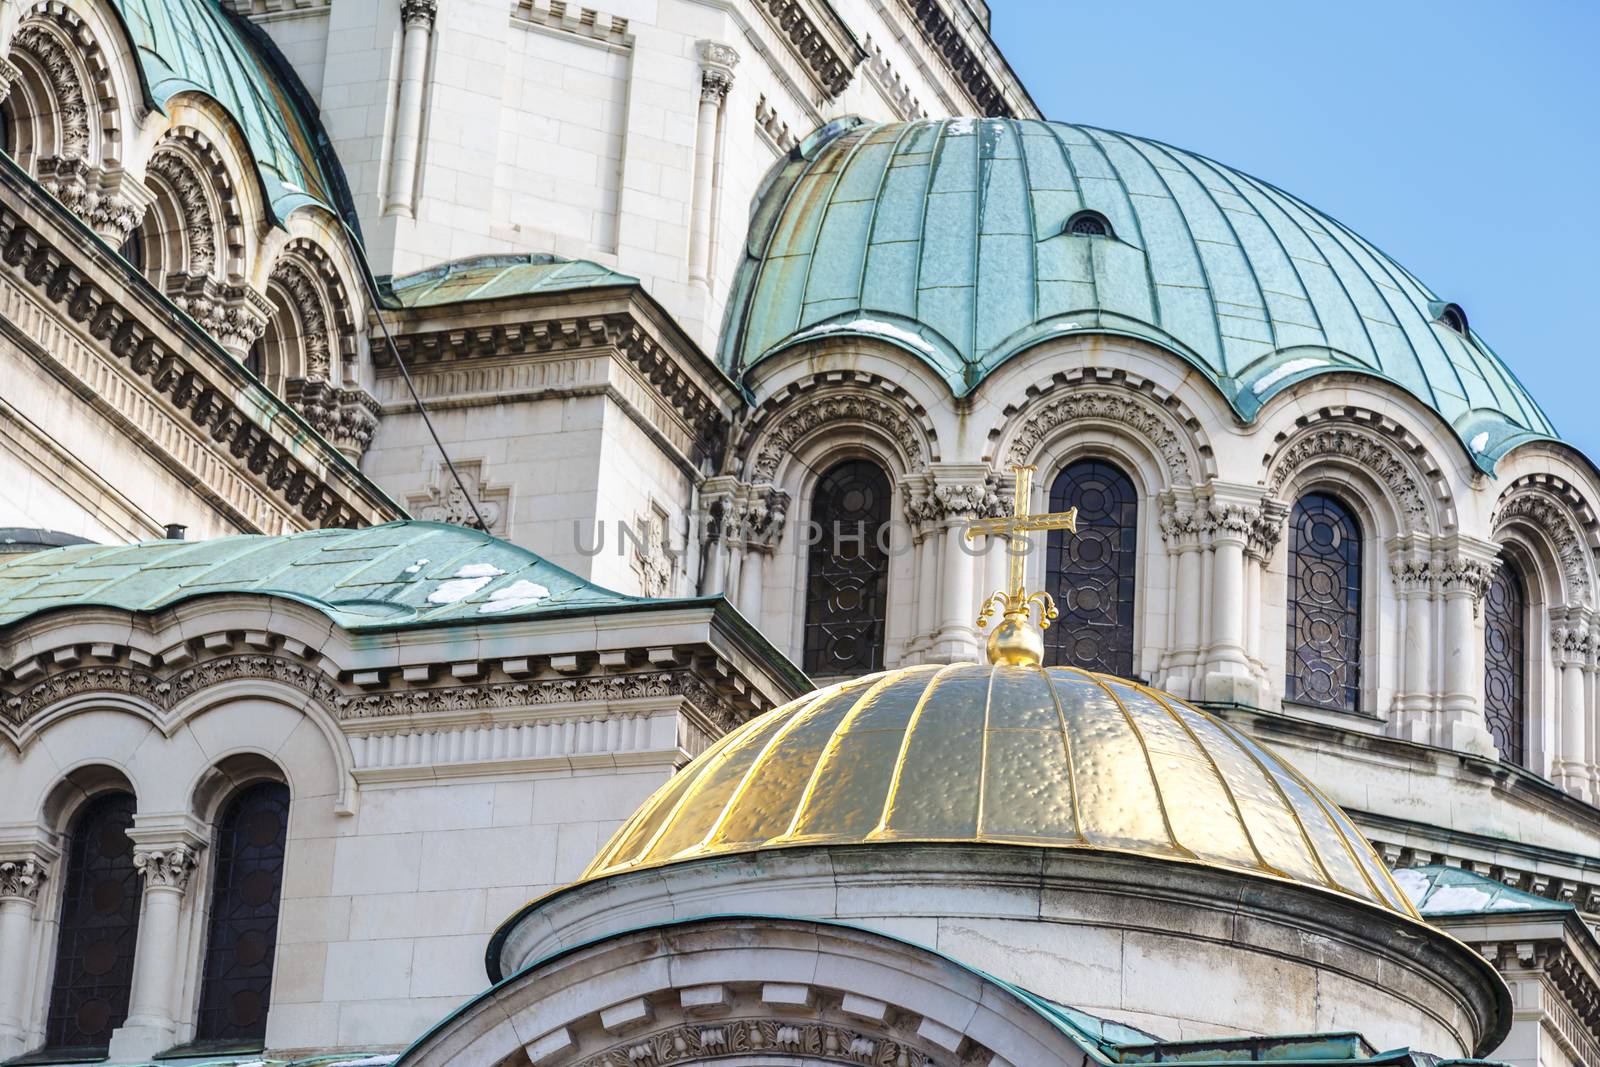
(770, 125)
(702, 690)
(1125, 408)
(946, 39)
(346, 417)
(888, 80)
(1538, 509)
(172, 396)
(1228, 519)
(777, 440)
(1573, 643)
(582, 22)
(193, 208)
(696, 1042)
(23, 877)
(67, 93)
(819, 39)
(168, 868)
(1365, 450)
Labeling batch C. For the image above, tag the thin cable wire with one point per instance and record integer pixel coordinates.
(422, 409)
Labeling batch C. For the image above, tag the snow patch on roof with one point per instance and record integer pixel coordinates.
(467, 580)
(1284, 370)
(519, 594)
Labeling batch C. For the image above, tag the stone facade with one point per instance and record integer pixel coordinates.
(234, 375)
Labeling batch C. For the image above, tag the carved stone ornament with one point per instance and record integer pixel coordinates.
(445, 501)
(236, 315)
(22, 877)
(418, 12)
(1465, 575)
(1548, 516)
(311, 318)
(346, 417)
(653, 562)
(811, 1041)
(67, 94)
(1366, 451)
(717, 61)
(9, 76)
(1230, 520)
(800, 24)
(165, 691)
(112, 202)
(1124, 408)
(194, 210)
(169, 867)
(964, 502)
(778, 442)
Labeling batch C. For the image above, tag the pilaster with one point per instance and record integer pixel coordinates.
(1228, 516)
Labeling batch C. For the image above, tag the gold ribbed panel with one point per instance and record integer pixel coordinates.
(1049, 756)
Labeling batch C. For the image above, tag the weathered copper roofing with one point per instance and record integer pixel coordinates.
(493, 276)
(949, 238)
(1007, 755)
(1438, 891)
(398, 574)
(194, 46)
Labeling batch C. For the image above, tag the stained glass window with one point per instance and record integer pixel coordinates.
(1505, 611)
(847, 571)
(99, 927)
(237, 979)
(1324, 619)
(1091, 573)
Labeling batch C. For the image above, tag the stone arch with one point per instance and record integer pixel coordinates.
(868, 999)
(860, 401)
(311, 332)
(1548, 512)
(1376, 450)
(1125, 405)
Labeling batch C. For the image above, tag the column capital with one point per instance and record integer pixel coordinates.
(22, 876)
(717, 61)
(9, 76)
(167, 868)
(418, 13)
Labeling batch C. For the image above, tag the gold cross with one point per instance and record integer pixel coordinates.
(1015, 641)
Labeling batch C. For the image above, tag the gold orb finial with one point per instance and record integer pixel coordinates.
(1016, 641)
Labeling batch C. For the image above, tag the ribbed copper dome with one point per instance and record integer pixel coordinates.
(1020, 755)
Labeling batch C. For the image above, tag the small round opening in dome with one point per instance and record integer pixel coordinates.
(1453, 317)
(1089, 224)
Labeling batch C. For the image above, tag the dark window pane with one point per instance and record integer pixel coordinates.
(1505, 613)
(244, 916)
(847, 571)
(99, 926)
(1324, 621)
(1091, 573)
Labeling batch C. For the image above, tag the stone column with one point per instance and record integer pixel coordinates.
(1181, 531)
(1570, 644)
(1414, 582)
(1265, 533)
(925, 571)
(21, 879)
(716, 78)
(1463, 580)
(152, 1013)
(417, 17)
(958, 503)
(766, 508)
(1226, 522)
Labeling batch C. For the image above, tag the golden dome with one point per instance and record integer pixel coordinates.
(1004, 754)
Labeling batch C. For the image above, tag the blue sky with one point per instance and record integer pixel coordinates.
(1462, 138)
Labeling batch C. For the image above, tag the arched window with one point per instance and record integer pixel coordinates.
(1324, 620)
(847, 571)
(1505, 611)
(99, 925)
(1091, 573)
(237, 977)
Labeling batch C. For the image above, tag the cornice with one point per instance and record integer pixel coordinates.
(103, 331)
(819, 39)
(973, 60)
(617, 321)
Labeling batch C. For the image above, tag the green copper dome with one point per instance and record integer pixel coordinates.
(967, 241)
(187, 46)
